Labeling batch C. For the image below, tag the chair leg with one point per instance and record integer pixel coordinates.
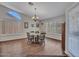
(28, 42)
(44, 43)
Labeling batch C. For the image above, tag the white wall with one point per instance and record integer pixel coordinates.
(51, 24)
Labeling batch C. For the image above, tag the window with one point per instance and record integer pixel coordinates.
(54, 28)
(14, 14)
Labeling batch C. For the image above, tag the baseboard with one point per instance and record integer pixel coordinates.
(68, 54)
(44, 56)
(13, 40)
(53, 39)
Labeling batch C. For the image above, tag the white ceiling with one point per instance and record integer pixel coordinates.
(44, 9)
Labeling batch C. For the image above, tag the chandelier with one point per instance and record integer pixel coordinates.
(35, 18)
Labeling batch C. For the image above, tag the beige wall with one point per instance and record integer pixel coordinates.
(11, 25)
(44, 28)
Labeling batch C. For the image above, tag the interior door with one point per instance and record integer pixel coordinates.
(63, 36)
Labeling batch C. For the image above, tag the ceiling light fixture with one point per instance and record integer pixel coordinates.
(35, 18)
(30, 3)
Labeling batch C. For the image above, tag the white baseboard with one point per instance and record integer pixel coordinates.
(12, 37)
(66, 52)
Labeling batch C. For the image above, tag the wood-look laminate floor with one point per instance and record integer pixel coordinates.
(20, 48)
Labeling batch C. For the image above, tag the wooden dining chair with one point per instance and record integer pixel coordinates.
(37, 39)
(30, 38)
(42, 38)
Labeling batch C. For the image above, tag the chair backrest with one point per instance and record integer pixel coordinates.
(37, 32)
(32, 31)
(42, 36)
(28, 36)
(38, 37)
(32, 37)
